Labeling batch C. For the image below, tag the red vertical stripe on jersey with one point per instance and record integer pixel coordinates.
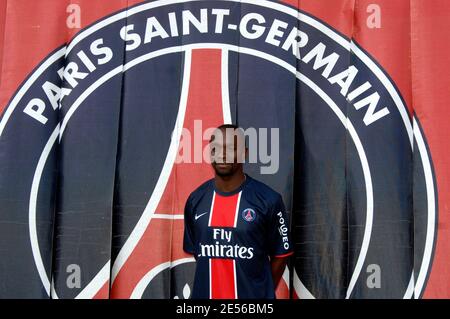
(222, 279)
(222, 271)
(224, 210)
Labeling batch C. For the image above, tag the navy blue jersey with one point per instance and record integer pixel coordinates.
(232, 235)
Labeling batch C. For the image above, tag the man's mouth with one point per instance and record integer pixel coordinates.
(223, 165)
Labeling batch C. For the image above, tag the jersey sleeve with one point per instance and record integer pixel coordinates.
(188, 238)
(280, 244)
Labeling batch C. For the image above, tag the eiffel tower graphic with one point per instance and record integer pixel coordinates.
(156, 241)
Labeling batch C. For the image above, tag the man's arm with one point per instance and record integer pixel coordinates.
(277, 265)
(279, 240)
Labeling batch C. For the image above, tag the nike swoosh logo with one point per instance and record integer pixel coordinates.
(198, 216)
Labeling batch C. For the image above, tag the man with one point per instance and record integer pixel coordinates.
(235, 226)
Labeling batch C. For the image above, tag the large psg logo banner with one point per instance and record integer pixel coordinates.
(106, 107)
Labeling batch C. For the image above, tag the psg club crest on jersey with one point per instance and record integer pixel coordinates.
(106, 112)
(248, 214)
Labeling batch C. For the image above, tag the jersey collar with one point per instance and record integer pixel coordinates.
(237, 190)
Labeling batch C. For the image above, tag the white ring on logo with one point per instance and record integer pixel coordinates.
(305, 19)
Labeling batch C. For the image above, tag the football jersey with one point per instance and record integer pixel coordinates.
(232, 235)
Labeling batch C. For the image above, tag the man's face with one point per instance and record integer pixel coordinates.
(227, 151)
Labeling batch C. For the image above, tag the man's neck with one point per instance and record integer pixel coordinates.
(229, 183)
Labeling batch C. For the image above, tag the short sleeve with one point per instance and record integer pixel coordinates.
(280, 244)
(188, 238)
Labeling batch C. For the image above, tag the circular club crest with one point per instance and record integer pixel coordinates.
(248, 215)
(129, 80)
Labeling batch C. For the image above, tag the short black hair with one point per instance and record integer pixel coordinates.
(225, 126)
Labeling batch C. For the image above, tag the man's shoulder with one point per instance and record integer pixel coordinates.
(265, 191)
(198, 192)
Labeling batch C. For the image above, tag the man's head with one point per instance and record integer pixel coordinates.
(228, 150)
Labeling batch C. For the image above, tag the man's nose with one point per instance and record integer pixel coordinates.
(222, 157)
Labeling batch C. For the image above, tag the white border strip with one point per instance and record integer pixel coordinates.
(236, 213)
(410, 289)
(96, 284)
(431, 221)
(210, 284)
(300, 289)
(168, 216)
(235, 280)
(211, 209)
(225, 88)
(32, 227)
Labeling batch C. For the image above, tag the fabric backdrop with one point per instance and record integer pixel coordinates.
(94, 97)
